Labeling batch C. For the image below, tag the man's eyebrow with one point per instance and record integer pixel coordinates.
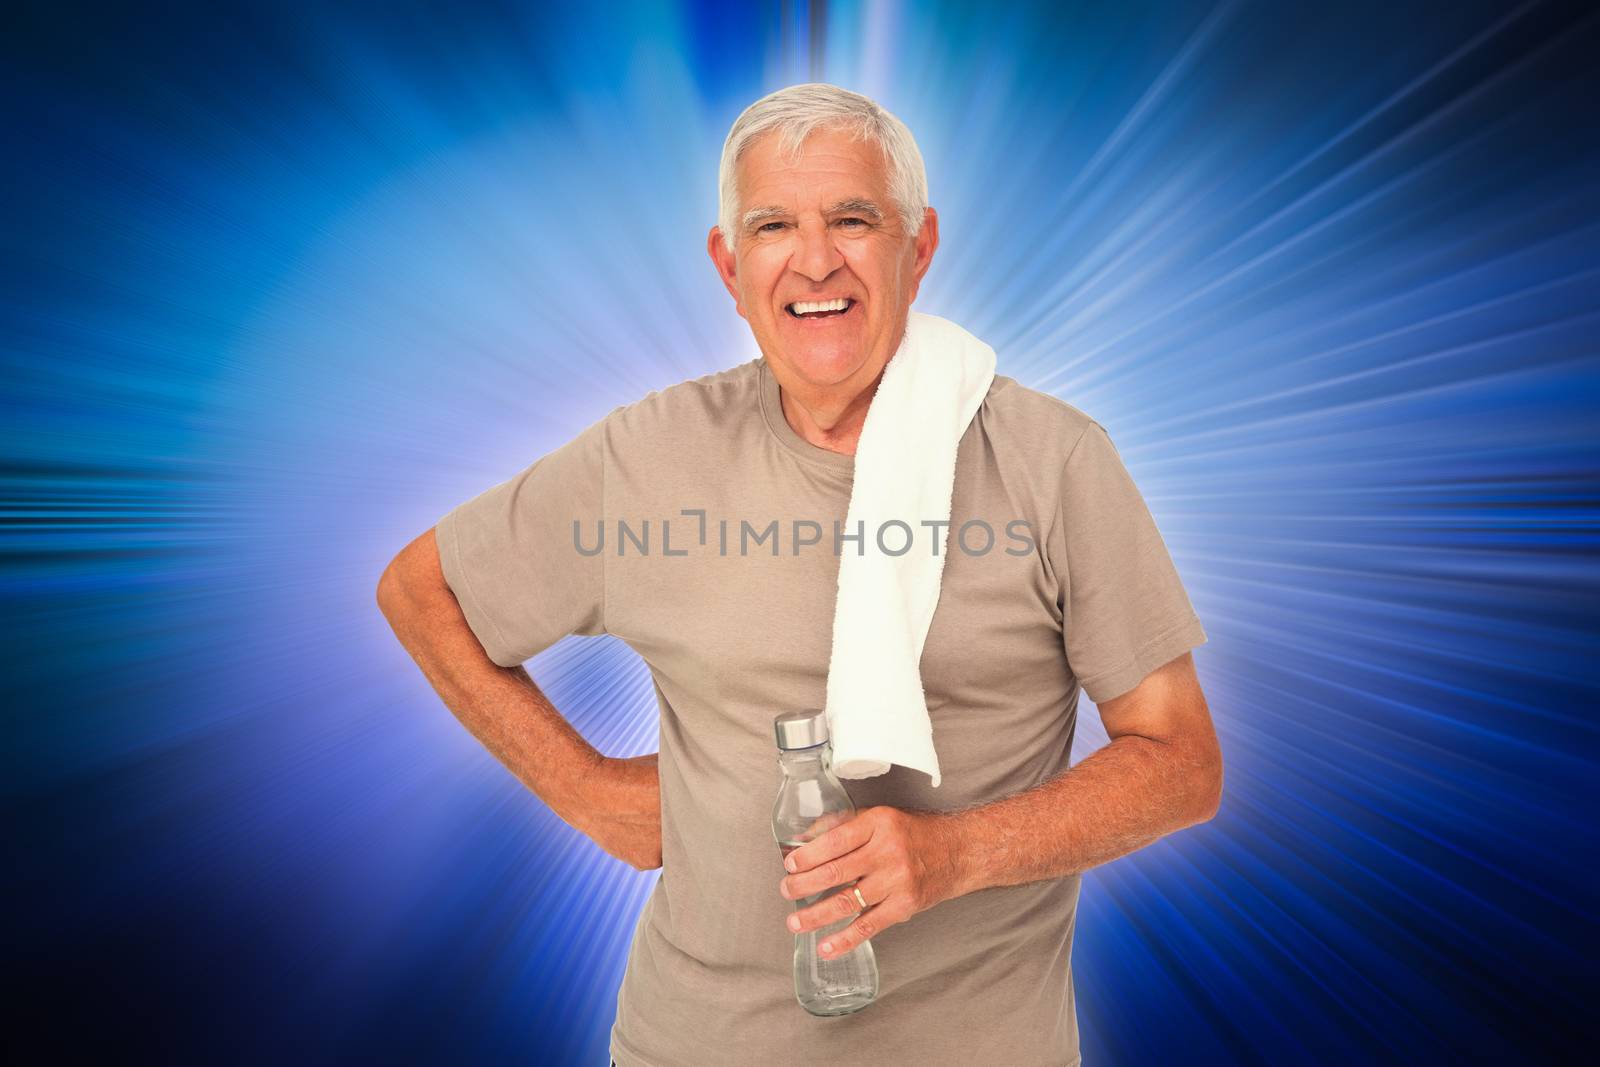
(855, 205)
(761, 214)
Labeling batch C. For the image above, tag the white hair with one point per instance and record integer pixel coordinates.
(799, 111)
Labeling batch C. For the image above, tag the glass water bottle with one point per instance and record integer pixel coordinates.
(810, 802)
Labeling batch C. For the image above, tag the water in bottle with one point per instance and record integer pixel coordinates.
(811, 801)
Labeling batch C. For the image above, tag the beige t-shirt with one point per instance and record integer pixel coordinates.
(734, 617)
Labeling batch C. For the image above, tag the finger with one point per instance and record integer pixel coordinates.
(845, 837)
(831, 909)
(868, 925)
(832, 873)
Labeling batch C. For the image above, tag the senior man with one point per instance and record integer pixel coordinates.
(823, 237)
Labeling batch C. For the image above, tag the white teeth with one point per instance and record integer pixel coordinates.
(802, 307)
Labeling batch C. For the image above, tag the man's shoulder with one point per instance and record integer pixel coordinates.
(687, 410)
(709, 398)
(1041, 424)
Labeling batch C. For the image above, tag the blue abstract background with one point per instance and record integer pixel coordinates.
(284, 284)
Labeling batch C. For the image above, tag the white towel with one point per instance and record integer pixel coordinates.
(905, 469)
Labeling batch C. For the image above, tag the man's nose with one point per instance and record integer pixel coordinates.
(816, 256)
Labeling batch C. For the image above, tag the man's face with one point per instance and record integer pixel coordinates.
(826, 229)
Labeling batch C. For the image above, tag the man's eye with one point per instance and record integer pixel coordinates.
(861, 222)
(763, 228)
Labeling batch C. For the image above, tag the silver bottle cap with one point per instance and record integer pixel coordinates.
(801, 729)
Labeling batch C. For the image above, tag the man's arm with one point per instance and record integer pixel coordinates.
(616, 802)
(1161, 772)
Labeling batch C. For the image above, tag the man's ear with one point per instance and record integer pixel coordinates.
(926, 243)
(722, 258)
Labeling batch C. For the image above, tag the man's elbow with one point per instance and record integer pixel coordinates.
(412, 577)
(1210, 787)
(391, 589)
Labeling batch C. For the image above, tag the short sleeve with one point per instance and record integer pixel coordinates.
(514, 562)
(1124, 609)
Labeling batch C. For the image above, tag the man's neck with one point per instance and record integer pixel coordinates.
(832, 421)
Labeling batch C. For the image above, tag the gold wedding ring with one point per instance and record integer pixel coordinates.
(859, 898)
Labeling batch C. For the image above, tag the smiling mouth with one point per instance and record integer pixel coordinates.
(819, 309)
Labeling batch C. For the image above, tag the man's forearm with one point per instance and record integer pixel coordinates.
(517, 723)
(501, 706)
(1124, 796)
(616, 802)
